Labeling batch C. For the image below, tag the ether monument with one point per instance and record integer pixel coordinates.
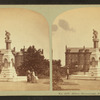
(95, 57)
(8, 72)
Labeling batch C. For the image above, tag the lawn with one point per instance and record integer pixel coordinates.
(73, 84)
(41, 85)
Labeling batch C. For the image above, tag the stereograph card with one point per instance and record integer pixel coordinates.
(49, 50)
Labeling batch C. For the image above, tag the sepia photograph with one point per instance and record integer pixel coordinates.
(49, 50)
(24, 50)
(76, 50)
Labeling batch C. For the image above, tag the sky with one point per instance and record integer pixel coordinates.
(26, 28)
(74, 28)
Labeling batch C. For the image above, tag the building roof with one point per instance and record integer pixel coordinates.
(75, 50)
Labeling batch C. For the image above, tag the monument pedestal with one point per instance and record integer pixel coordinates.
(8, 74)
(94, 71)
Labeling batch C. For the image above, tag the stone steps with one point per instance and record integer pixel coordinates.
(94, 71)
(18, 78)
(8, 73)
(84, 77)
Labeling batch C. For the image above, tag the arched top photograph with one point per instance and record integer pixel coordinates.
(24, 46)
(75, 40)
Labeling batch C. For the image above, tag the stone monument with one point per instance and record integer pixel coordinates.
(95, 57)
(8, 72)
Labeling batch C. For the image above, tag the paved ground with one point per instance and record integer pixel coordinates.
(80, 84)
(42, 85)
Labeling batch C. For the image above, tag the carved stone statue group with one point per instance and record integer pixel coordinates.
(7, 34)
(95, 34)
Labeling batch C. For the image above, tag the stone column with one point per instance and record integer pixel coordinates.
(95, 40)
(8, 44)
